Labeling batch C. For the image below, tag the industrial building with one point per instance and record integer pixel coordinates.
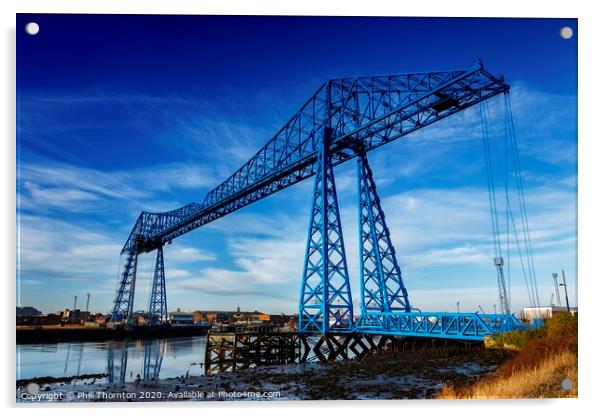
(545, 312)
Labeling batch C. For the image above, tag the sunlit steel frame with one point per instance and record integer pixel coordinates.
(325, 303)
(465, 326)
(358, 113)
(381, 283)
(157, 310)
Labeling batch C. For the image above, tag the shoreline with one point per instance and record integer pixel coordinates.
(57, 334)
(383, 375)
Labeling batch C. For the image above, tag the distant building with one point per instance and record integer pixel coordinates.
(545, 312)
(72, 316)
(28, 311)
(278, 320)
(246, 321)
(179, 318)
(218, 316)
(101, 319)
(140, 318)
(197, 317)
(84, 316)
(50, 319)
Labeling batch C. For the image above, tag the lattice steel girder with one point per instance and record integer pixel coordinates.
(325, 304)
(157, 309)
(464, 326)
(381, 283)
(124, 299)
(366, 112)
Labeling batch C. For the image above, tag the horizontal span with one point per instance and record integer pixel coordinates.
(362, 113)
(462, 326)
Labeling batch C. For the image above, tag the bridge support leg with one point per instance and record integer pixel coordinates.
(382, 287)
(124, 299)
(325, 303)
(157, 309)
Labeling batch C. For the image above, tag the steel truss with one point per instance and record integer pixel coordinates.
(343, 118)
(381, 284)
(325, 303)
(466, 326)
(157, 309)
(124, 299)
(366, 111)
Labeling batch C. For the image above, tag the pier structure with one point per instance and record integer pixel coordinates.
(235, 351)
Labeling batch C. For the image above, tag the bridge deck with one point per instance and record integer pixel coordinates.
(461, 326)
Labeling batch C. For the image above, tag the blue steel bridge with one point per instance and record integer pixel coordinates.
(344, 119)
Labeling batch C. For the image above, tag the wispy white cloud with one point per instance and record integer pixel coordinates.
(85, 258)
(439, 233)
(73, 188)
(182, 254)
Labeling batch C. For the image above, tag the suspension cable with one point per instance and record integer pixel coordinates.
(510, 166)
(521, 198)
(490, 182)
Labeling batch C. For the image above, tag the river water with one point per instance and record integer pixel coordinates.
(403, 374)
(121, 360)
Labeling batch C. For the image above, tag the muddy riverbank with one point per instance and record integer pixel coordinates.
(385, 375)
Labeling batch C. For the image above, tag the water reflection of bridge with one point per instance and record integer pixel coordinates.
(239, 351)
(117, 360)
(131, 360)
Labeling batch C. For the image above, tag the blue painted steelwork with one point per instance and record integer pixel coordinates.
(325, 304)
(356, 114)
(124, 299)
(157, 309)
(381, 283)
(366, 111)
(463, 326)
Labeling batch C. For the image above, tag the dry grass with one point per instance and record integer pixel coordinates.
(541, 381)
(546, 357)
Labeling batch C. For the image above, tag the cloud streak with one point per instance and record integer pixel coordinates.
(74, 219)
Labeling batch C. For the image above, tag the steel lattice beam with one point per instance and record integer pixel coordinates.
(157, 309)
(365, 111)
(325, 304)
(124, 299)
(381, 283)
(344, 118)
(463, 326)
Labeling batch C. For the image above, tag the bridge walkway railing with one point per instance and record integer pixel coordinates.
(461, 326)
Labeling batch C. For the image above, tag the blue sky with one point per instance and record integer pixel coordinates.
(118, 114)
